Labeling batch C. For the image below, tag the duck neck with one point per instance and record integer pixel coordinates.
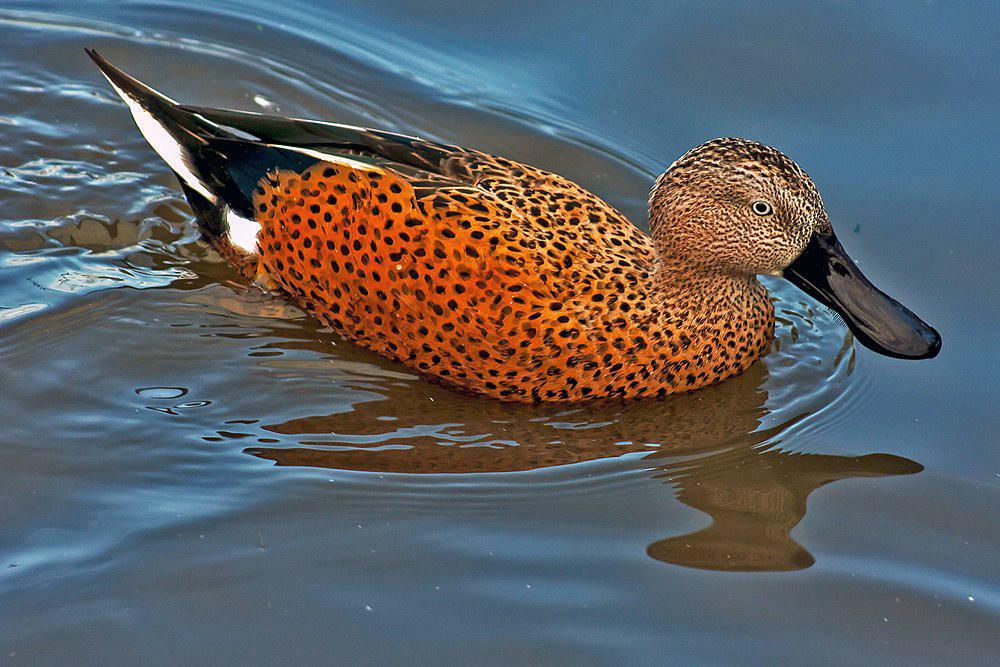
(721, 322)
(693, 296)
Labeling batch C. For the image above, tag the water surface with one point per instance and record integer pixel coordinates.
(193, 471)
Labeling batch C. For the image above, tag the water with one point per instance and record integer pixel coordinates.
(195, 472)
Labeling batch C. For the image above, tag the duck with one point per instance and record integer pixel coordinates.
(504, 280)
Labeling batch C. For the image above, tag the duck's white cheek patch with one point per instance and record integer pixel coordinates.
(242, 232)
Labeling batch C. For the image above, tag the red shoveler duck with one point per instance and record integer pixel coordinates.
(505, 280)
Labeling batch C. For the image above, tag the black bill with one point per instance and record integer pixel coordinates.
(879, 322)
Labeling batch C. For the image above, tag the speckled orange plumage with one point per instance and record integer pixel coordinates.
(514, 283)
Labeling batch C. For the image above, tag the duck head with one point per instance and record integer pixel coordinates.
(741, 208)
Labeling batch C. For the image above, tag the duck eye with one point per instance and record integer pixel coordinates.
(761, 207)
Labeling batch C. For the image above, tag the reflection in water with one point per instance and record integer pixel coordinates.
(708, 445)
(755, 499)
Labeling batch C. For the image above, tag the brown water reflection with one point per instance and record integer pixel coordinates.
(755, 499)
(706, 446)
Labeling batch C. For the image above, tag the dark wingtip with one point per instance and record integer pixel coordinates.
(107, 68)
(129, 85)
(97, 58)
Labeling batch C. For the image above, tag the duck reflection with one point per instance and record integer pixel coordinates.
(755, 499)
(708, 446)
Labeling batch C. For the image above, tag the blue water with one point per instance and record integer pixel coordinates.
(194, 472)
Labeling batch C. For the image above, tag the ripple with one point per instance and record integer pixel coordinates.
(769, 404)
(17, 312)
(162, 392)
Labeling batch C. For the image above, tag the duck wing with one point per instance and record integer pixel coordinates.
(549, 201)
(387, 147)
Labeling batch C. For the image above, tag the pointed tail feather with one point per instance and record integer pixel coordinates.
(219, 167)
(174, 133)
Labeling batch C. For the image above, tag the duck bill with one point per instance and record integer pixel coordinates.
(825, 272)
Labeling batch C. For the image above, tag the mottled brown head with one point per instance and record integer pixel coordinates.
(735, 206)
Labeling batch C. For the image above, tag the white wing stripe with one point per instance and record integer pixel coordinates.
(330, 157)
